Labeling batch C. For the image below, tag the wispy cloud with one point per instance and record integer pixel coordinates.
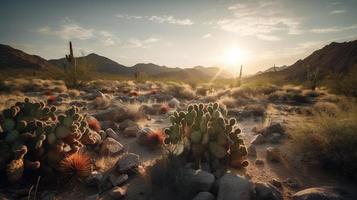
(137, 43)
(262, 20)
(68, 31)
(337, 11)
(160, 19)
(333, 29)
(208, 35)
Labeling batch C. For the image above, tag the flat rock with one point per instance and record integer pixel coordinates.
(128, 163)
(111, 147)
(320, 193)
(231, 186)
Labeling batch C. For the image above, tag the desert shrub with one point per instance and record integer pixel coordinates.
(311, 93)
(229, 102)
(4, 87)
(348, 84)
(201, 91)
(255, 110)
(330, 139)
(327, 108)
(179, 90)
(73, 93)
(292, 89)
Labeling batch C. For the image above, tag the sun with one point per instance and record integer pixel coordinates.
(234, 56)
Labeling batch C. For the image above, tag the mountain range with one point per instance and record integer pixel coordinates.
(333, 60)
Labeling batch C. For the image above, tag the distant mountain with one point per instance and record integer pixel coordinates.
(100, 63)
(104, 65)
(332, 61)
(14, 59)
(273, 69)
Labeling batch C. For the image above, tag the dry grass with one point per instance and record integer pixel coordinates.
(330, 139)
(327, 108)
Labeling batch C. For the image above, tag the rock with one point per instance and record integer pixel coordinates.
(196, 181)
(267, 191)
(109, 124)
(173, 103)
(275, 138)
(91, 137)
(273, 128)
(118, 180)
(95, 179)
(204, 196)
(252, 151)
(273, 154)
(111, 147)
(117, 193)
(258, 139)
(102, 134)
(276, 183)
(127, 123)
(292, 183)
(128, 163)
(231, 187)
(112, 134)
(320, 193)
(259, 162)
(115, 114)
(131, 131)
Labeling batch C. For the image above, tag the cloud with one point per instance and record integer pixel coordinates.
(68, 31)
(137, 43)
(263, 20)
(338, 11)
(159, 19)
(108, 42)
(208, 35)
(333, 29)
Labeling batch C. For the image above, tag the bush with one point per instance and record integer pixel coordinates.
(330, 139)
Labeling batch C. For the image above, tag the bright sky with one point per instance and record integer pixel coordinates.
(184, 33)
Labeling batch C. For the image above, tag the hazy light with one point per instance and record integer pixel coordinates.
(233, 58)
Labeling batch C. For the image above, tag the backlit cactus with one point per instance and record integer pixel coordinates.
(208, 135)
(34, 136)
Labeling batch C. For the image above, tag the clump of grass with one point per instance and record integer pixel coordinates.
(326, 107)
(180, 90)
(330, 139)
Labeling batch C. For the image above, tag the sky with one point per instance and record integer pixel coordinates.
(185, 33)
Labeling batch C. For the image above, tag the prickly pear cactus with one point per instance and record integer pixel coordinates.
(34, 136)
(208, 136)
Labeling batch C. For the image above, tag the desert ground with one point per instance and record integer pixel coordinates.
(128, 154)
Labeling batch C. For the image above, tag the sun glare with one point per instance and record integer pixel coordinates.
(234, 56)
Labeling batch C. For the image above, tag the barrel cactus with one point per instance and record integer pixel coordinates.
(208, 136)
(35, 136)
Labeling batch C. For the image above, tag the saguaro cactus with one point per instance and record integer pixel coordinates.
(239, 82)
(72, 66)
(312, 77)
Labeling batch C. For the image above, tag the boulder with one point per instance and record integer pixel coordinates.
(131, 131)
(116, 114)
(258, 139)
(275, 138)
(111, 133)
(273, 154)
(127, 123)
(111, 147)
(196, 181)
(118, 180)
(273, 128)
(95, 179)
(128, 163)
(231, 186)
(109, 124)
(173, 103)
(204, 196)
(267, 191)
(320, 193)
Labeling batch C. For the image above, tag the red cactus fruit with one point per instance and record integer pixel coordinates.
(77, 165)
(51, 99)
(93, 124)
(164, 108)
